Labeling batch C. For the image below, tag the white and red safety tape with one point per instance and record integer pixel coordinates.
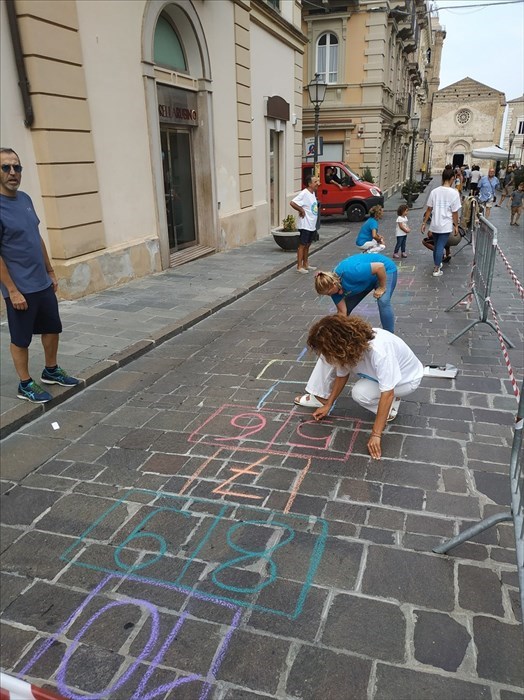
(16, 689)
(511, 272)
(504, 350)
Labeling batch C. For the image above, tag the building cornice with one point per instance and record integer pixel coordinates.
(269, 19)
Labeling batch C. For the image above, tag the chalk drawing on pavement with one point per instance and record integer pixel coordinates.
(137, 675)
(175, 540)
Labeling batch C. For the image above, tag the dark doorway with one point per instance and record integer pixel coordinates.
(458, 160)
(178, 187)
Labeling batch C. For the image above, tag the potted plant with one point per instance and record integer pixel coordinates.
(410, 187)
(287, 235)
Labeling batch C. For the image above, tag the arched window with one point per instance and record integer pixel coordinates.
(168, 49)
(327, 58)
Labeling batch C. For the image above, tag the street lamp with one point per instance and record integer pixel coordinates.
(424, 168)
(511, 139)
(317, 93)
(414, 126)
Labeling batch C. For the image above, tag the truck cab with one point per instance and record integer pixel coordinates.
(343, 192)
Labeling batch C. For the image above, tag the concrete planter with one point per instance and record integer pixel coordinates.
(287, 240)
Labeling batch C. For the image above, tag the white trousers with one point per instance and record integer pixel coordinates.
(369, 245)
(365, 392)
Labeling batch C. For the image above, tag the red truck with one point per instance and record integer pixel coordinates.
(343, 192)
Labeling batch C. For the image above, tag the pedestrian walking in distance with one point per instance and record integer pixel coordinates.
(443, 207)
(28, 283)
(516, 199)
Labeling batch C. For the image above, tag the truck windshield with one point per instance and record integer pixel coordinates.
(353, 175)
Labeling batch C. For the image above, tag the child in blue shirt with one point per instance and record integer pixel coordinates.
(368, 239)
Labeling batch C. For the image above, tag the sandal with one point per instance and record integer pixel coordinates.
(309, 401)
(393, 410)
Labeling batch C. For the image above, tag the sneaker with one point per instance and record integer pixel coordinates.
(404, 255)
(311, 267)
(33, 392)
(396, 256)
(437, 273)
(302, 270)
(59, 376)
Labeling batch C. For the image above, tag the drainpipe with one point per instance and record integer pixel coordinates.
(23, 81)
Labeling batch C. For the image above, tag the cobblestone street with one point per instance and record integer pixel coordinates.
(179, 529)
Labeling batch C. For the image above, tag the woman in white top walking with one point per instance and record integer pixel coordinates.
(443, 207)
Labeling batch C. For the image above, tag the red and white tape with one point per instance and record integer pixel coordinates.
(16, 689)
(512, 274)
(504, 350)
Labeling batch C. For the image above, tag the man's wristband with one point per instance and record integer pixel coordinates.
(373, 434)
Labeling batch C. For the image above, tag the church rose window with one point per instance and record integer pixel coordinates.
(463, 116)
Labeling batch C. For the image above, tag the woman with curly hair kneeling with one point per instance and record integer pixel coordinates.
(387, 370)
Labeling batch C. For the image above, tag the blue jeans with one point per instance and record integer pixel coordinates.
(440, 240)
(400, 244)
(385, 310)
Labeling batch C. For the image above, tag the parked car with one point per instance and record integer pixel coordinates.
(345, 193)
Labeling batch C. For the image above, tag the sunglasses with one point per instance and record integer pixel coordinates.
(7, 168)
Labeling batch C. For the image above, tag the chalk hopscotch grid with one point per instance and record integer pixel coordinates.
(296, 444)
(148, 648)
(86, 539)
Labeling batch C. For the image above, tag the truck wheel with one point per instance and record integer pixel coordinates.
(356, 212)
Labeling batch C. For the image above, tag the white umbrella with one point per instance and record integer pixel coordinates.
(491, 153)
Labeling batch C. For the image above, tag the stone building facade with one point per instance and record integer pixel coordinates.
(151, 131)
(466, 115)
(381, 63)
(515, 125)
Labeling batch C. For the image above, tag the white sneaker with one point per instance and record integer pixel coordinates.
(311, 267)
(437, 273)
(376, 249)
(302, 270)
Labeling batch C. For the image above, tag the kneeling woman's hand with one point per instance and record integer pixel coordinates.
(322, 412)
(375, 446)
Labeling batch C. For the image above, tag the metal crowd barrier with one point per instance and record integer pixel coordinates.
(485, 243)
(517, 505)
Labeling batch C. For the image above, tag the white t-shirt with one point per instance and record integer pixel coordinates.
(475, 176)
(401, 220)
(308, 201)
(389, 361)
(444, 201)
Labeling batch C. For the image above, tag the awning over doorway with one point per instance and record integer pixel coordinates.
(491, 153)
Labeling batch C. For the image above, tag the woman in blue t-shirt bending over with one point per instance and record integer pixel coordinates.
(354, 278)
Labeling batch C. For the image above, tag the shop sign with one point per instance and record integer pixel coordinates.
(177, 106)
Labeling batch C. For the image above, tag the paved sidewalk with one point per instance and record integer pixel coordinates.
(181, 530)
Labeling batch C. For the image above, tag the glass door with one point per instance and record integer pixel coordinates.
(178, 188)
(274, 177)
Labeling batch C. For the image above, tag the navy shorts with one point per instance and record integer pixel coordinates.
(41, 316)
(306, 237)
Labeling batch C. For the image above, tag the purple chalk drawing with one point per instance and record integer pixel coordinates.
(60, 676)
(140, 693)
